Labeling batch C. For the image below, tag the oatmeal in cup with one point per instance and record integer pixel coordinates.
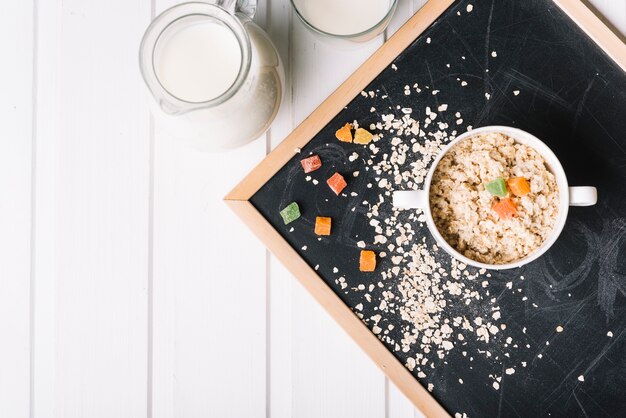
(496, 198)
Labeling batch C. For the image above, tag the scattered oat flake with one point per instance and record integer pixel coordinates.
(510, 370)
(516, 92)
(494, 54)
(428, 40)
(581, 378)
(416, 287)
(469, 8)
(559, 329)
(609, 334)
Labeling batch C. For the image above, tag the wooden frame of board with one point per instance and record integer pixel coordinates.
(239, 198)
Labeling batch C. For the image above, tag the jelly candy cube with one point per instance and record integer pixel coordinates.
(497, 187)
(519, 186)
(311, 164)
(337, 183)
(505, 208)
(322, 225)
(367, 261)
(344, 134)
(290, 213)
(362, 136)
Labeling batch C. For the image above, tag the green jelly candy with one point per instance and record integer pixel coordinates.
(290, 213)
(497, 187)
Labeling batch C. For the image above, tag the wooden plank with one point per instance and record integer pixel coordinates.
(209, 289)
(209, 318)
(327, 365)
(280, 283)
(91, 229)
(16, 115)
(309, 373)
(44, 359)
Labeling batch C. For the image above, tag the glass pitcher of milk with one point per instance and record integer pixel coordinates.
(215, 76)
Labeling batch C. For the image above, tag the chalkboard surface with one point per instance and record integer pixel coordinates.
(562, 350)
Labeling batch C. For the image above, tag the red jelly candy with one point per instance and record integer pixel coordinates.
(311, 164)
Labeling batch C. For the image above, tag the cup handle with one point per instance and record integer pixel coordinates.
(410, 199)
(247, 7)
(583, 196)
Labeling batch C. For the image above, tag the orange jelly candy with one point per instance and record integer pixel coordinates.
(519, 186)
(505, 208)
(322, 225)
(344, 134)
(337, 183)
(367, 261)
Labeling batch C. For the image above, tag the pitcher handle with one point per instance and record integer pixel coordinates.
(247, 7)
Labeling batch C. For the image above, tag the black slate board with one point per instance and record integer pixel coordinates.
(574, 98)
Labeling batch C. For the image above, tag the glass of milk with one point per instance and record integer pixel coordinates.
(214, 77)
(353, 20)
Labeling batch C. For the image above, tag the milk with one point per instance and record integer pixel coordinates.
(198, 62)
(343, 17)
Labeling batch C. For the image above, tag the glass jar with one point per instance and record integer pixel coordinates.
(229, 86)
(345, 20)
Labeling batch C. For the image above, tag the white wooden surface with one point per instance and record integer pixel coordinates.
(118, 297)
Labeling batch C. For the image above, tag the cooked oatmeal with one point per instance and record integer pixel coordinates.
(466, 213)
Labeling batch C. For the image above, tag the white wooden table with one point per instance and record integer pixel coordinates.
(127, 289)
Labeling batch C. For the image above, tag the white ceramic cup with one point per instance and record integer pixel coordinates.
(568, 196)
